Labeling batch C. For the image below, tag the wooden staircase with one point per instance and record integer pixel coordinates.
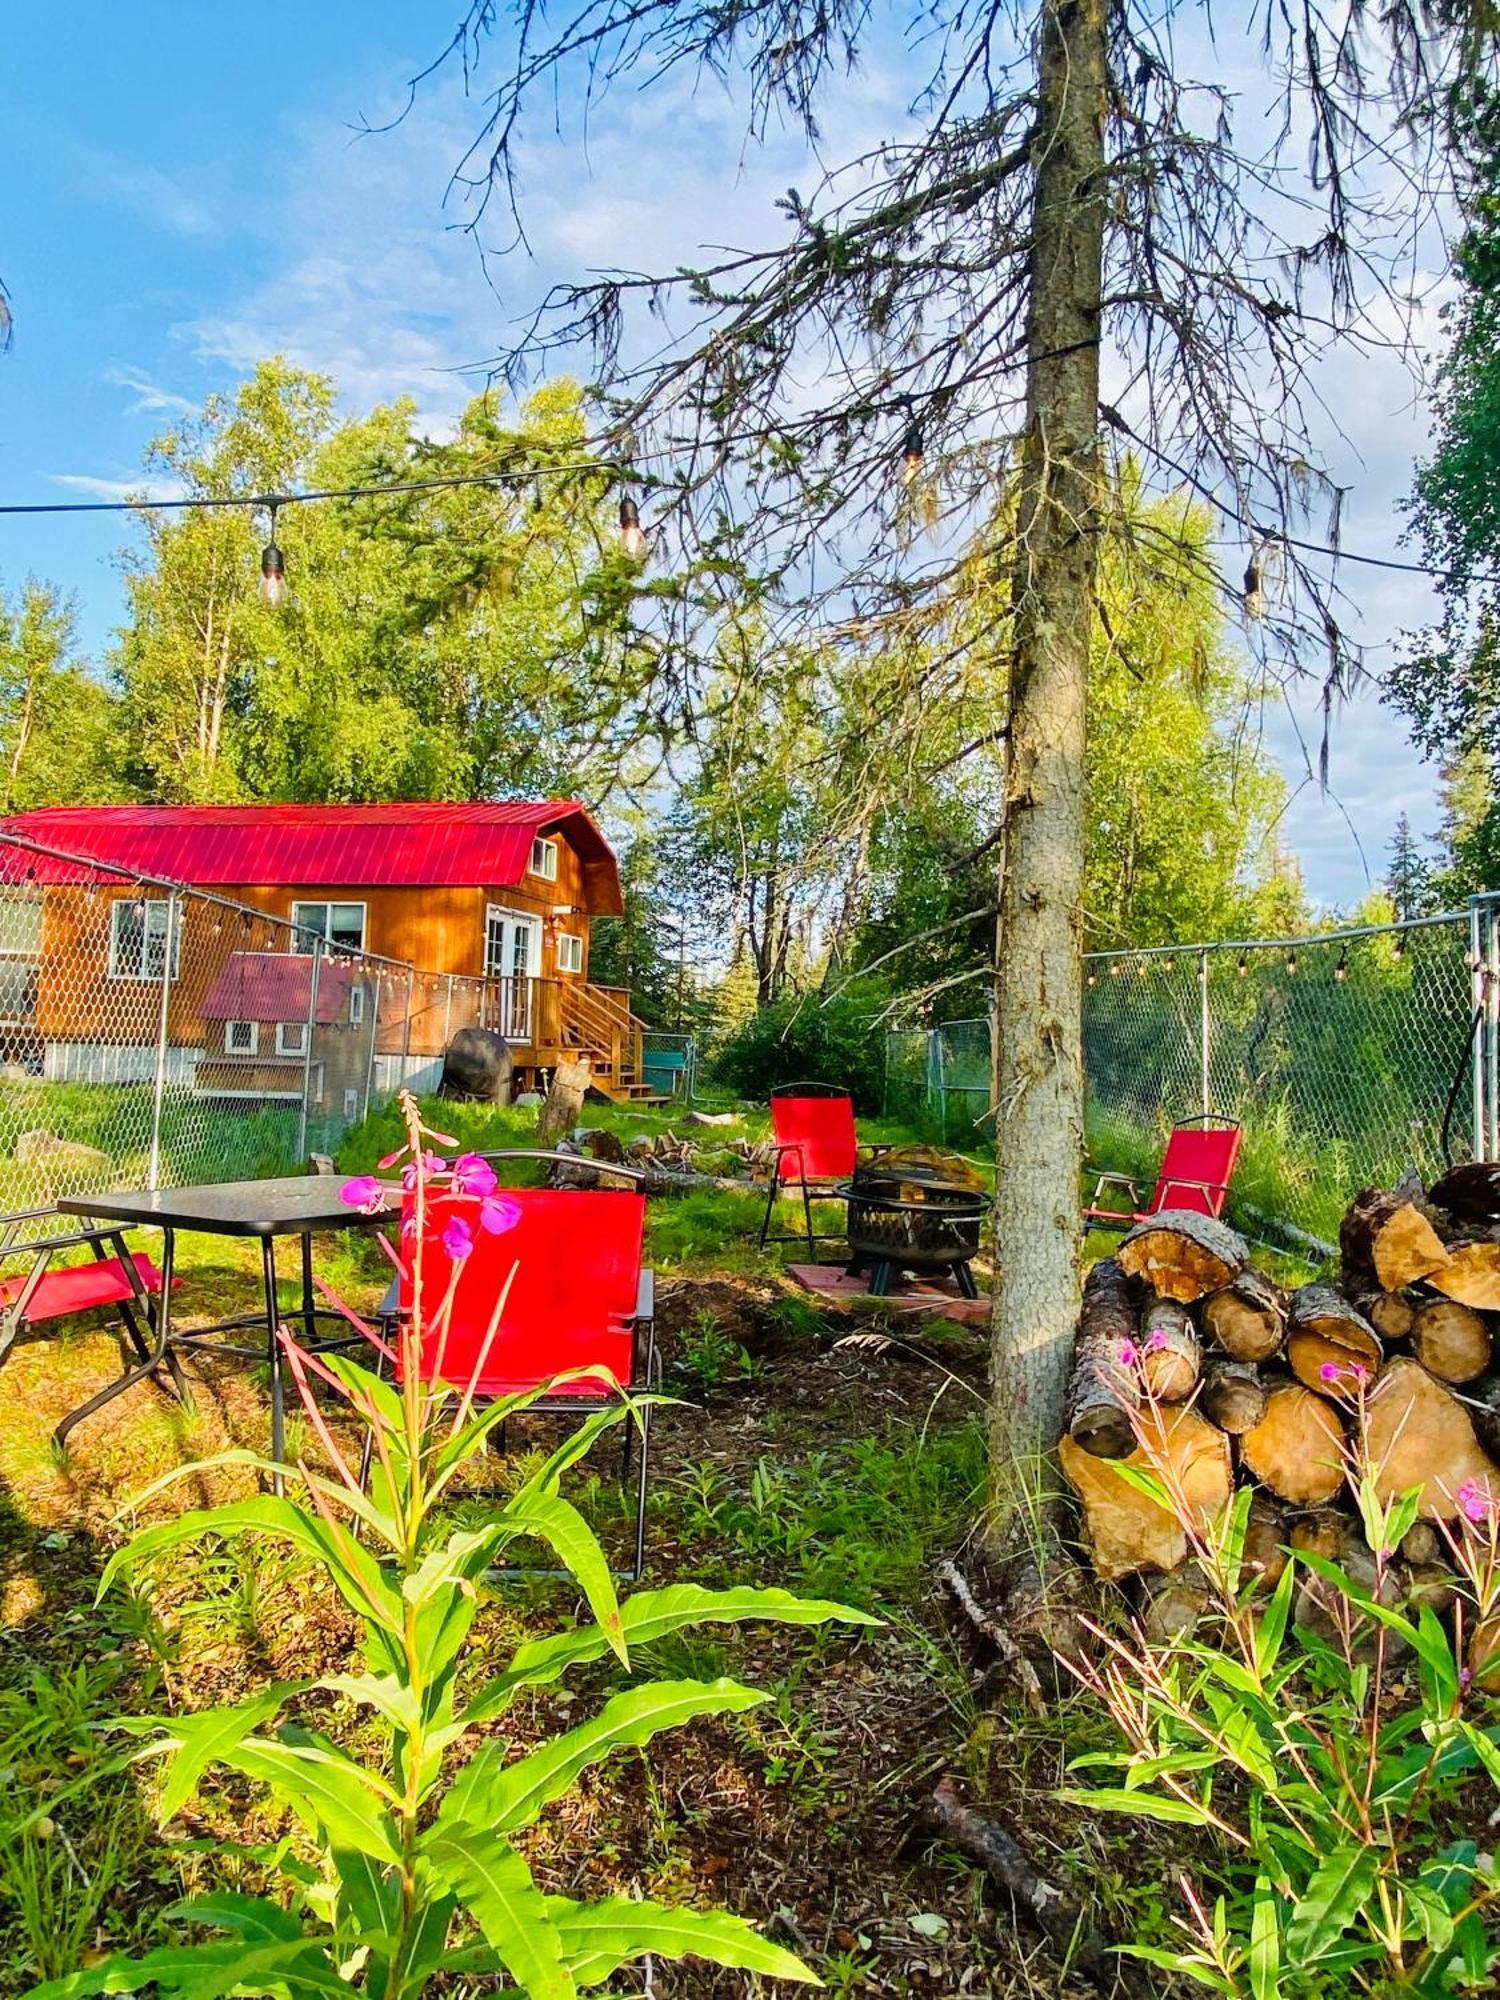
(596, 1022)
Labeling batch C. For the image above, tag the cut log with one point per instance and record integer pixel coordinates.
(1321, 1531)
(1105, 1390)
(1419, 1434)
(1471, 1274)
(1005, 1862)
(1297, 1447)
(1390, 1313)
(1182, 1254)
(1328, 1343)
(1233, 1395)
(1470, 1193)
(1127, 1530)
(1422, 1546)
(570, 1084)
(1172, 1605)
(1483, 1656)
(1265, 1551)
(1385, 1237)
(1247, 1317)
(1451, 1341)
(1170, 1360)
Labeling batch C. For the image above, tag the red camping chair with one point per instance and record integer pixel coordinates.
(579, 1299)
(38, 1294)
(816, 1148)
(1196, 1170)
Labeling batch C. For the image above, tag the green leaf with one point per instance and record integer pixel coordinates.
(647, 1615)
(293, 1967)
(254, 1917)
(487, 1794)
(208, 1738)
(600, 1937)
(1264, 1959)
(1145, 1805)
(387, 1694)
(494, 1884)
(559, 1524)
(327, 1791)
(1330, 1902)
(1429, 1917)
(369, 1893)
(1271, 1629)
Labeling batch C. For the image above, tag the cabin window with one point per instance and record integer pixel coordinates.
(138, 927)
(351, 1103)
(356, 1005)
(544, 858)
(340, 924)
(241, 1038)
(569, 953)
(291, 1038)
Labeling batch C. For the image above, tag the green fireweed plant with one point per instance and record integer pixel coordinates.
(416, 1874)
(1323, 1735)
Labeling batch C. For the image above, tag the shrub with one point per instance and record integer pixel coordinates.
(420, 1877)
(1320, 1760)
(810, 1040)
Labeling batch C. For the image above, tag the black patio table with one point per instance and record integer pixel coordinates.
(295, 1205)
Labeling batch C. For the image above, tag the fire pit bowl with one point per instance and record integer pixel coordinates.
(909, 1218)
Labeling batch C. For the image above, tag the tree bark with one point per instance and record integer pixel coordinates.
(1039, 977)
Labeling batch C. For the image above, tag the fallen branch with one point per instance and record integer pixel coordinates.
(1010, 1651)
(984, 1840)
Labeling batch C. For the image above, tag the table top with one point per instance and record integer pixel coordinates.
(294, 1205)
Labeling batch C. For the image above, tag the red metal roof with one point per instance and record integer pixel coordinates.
(261, 986)
(400, 845)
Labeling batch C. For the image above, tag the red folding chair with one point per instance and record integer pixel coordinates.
(1196, 1170)
(815, 1149)
(40, 1293)
(578, 1299)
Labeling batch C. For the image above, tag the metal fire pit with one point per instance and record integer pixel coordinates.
(911, 1219)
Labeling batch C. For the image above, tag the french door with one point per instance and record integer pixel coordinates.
(513, 958)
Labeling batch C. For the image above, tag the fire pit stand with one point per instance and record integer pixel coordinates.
(910, 1219)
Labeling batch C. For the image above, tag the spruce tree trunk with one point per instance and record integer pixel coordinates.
(1039, 1026)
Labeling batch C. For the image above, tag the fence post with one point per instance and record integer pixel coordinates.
(372, 1004)
(1477, 982)
(307, 1050)
(1204, 1030)
(411, 1001)
(159, 1087)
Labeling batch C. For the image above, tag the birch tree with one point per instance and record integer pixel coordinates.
(1075, 197)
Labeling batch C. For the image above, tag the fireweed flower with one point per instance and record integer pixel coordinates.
(1157, 1339)
(497, 1213)
(425, 1168)
(473, 1175)
(1475, 1502)
(365, 1193)
(1129, 1354)
(1344, 1371)
(458, 1238)
(391, 1158)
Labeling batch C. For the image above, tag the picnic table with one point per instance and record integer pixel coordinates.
(293, 1206)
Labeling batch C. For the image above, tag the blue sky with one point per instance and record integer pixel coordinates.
(184, 192)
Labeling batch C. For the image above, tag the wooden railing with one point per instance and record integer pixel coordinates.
(556, 1015)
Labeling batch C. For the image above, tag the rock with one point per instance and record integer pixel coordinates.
(528, 1100)
(477, 1065)
(47, 1149)
(712, 1118)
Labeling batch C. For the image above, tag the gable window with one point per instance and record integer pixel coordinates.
(138, 927)
(569, 953)
(356, 1005)
(291, 1038)
(241, 1038)
(340, 924)
(544, 858)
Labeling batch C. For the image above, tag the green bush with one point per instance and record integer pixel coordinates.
(811, 1040)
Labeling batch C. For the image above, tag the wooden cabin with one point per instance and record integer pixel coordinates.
(450, 915)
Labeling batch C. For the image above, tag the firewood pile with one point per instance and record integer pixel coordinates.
(1192, 1364)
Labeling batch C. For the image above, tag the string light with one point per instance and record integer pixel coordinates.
(913, 452)
(1171, 964)
(1093, 979)
(1244, 965)
(272, 568)
(1400, 951)
(1341, 970)
(632, 535)
(1144, 968)
(1114, 968)
(1254, 590)
(1291, 963)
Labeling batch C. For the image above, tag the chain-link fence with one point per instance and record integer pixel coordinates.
(153, 1034)
(1348, 1055)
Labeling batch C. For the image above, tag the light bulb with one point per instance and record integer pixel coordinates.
(272, 576)
(912, 455)
(632, 535)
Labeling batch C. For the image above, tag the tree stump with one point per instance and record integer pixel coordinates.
(570, 1084)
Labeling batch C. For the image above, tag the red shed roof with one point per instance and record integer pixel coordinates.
(261, 986)
(400, 845)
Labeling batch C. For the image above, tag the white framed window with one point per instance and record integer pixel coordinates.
(570, 952)
(341, 924)
(356, 1005)
(544, 858)
(291, 1038)
(138, 927)
(351, 1103)
(241, 1038)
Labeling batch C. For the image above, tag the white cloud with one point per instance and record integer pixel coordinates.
(149, 397)
(97, 488)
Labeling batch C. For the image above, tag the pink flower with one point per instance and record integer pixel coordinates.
(1344, 1371)
(391, 1158)
(473, 1174)
(1129, 1354)
(1156, 1340)
(365, 1193)
(1465, 1677)
(1474, 1500)
(458, 1238)
(423, 1169)
(497, 1213)
(1330, 1372)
